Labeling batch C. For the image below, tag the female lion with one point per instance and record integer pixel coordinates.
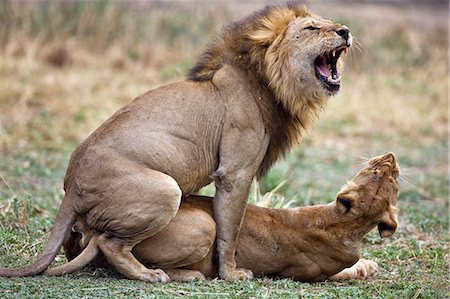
(307, 243)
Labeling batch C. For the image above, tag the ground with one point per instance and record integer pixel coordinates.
(62, 76)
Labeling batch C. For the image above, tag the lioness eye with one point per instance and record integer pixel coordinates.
(311, 28)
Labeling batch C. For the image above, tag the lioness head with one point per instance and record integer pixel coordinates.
(371, 195)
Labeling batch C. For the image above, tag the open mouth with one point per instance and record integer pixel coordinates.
(326, 69)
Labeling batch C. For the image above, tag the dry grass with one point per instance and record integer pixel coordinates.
(67, 81)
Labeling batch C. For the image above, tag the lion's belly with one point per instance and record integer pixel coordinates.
(182, 151)
(176, 151)
(188, 163)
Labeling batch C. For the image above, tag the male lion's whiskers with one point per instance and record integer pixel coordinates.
(352, 55)
(357, 46)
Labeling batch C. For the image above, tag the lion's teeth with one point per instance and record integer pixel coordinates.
(345, 51)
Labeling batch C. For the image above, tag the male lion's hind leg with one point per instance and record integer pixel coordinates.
(361, 270)
(120, 256)
(135, 203)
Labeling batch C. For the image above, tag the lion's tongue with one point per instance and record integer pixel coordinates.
(324, 70)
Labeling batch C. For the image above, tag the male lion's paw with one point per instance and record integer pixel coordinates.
(238, 274)
(154, 276)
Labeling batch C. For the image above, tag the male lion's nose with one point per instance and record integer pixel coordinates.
(343, 31)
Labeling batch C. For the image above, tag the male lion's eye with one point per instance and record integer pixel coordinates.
(311, 28)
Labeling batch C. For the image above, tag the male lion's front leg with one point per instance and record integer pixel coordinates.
(241, 154)
(229, 206)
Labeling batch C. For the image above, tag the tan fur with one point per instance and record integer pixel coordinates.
(247, 101)
(307, 243)
(361, 270)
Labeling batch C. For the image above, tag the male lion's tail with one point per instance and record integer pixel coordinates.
(63, 223)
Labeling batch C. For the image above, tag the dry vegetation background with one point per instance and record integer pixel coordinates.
(66, 66)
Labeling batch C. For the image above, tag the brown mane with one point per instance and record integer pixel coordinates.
(243, 44)
(252, 46)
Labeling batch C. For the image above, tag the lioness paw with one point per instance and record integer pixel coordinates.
(154, 276)
(361, 270)
(238, 274)
(371, 267)
(185, 275)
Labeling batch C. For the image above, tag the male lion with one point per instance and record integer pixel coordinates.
(307, 243)
(244, 104)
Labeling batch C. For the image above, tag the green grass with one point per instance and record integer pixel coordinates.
(413, 263)
(98, 286)
(394, 98)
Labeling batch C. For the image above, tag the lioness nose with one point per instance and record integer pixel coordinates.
(343, 31)
(387, 229)
(389, 157)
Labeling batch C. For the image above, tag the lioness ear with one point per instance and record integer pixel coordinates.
(344, 204)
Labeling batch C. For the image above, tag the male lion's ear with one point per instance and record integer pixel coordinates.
(344, 204)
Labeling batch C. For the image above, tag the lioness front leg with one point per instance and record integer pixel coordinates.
(185, 275)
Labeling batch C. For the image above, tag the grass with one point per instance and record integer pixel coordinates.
(59, 85)
(100, 287)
